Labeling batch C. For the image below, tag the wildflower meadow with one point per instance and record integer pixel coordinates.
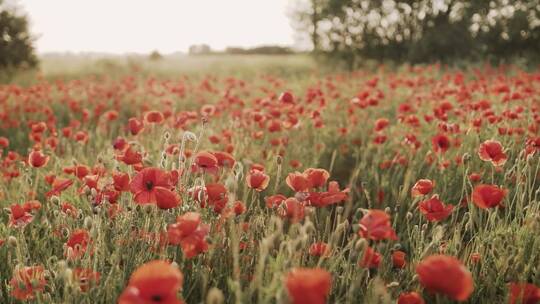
(408, 185)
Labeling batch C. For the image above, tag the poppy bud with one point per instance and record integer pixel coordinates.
(12, 241)
(55, 200)
(88, 222)
(409, 216)
(189, 136)
(360, 245)
(215, 296)
(67, 274)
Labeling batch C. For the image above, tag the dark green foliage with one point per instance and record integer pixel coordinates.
(16, 43)
(423, 31)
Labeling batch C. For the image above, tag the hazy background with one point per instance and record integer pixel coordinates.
(141, 26)
(115, 37)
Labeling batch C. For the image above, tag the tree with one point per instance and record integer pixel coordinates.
(419, 31)
(16, 43)
(155, 56)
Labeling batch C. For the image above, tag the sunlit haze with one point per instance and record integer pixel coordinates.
(120, 26)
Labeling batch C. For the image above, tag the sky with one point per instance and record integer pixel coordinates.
(141, 26)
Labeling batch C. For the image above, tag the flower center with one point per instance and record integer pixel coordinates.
(149, 185)
(156, 298)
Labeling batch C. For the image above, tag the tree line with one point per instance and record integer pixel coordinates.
(421, 31)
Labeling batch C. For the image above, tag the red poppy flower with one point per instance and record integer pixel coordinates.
(410, 298)
(422, 187)
(69, 209)
(4, 142)
(319, 249)
(273, 201)
(488, 196)
(434, 209)
(154, 117)
(59, 185)
(189, 233)
(375, 225)
(26, 281)
(398, 259)
(492, 151)
(317, 177)
(292, 209)
(130, 157)
(287, 98)
(239, 208)
(80, 171)
(32, 205)
(523, 293)
(37, 159)
(198, 193)
(217, 196)
(381, 124)
(440, 143)
(332, 196)
(445, 275)
(152, 186)
(370, 258)
(19, 217)
(121, 181)
(308, 286)
(206, 162)
(224, 159)
(120, 144)
(77, 244)
(298, 182)
(257, 180)
(86, 278)
(475, 177)
(81, 137)
(135, 126)
(154, 282)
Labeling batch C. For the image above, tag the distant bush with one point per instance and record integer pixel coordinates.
(16, 43)
(155, 56)
(261, 50)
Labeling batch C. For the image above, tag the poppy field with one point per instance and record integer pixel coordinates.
(410, 185)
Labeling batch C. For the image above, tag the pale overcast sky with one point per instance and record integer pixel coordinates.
(119, 26)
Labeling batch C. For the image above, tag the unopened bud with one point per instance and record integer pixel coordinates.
(215, 296)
